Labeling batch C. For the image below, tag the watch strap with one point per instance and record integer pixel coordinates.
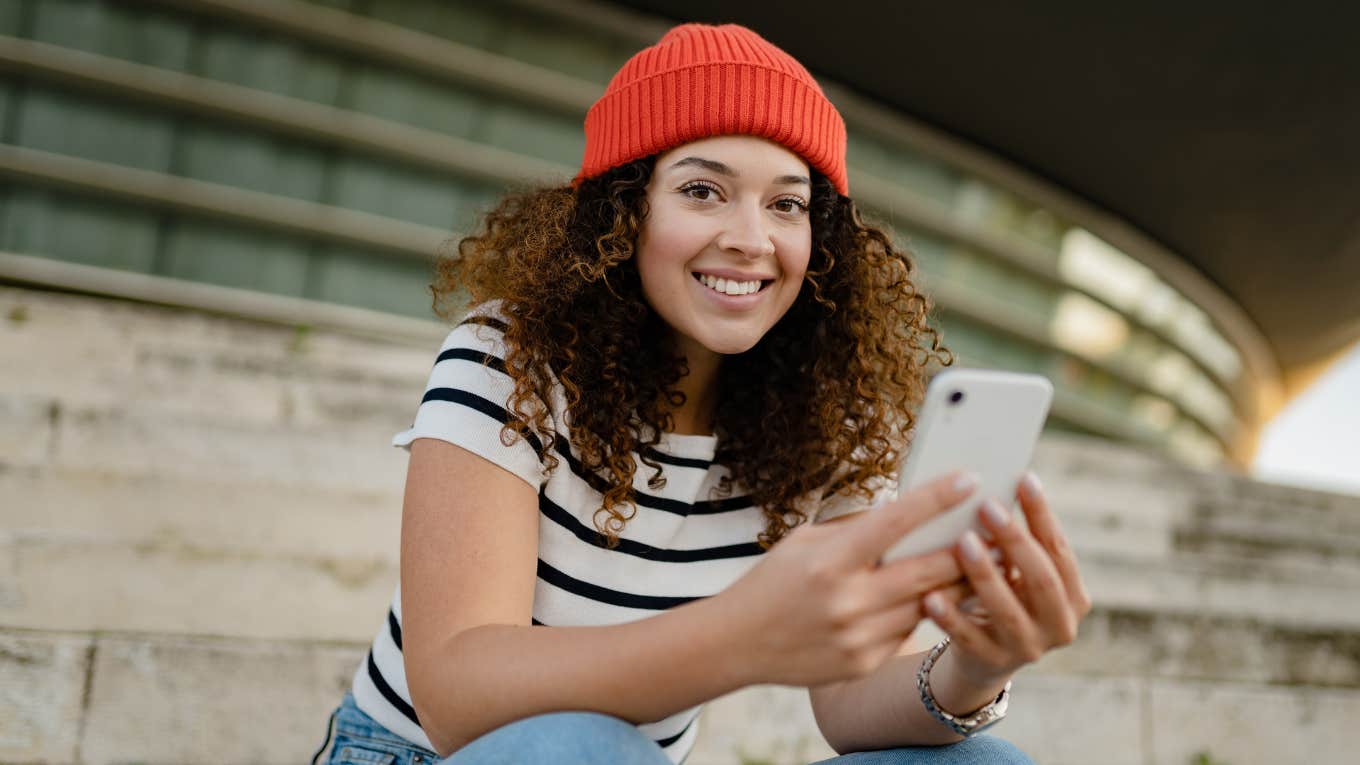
(965, 726)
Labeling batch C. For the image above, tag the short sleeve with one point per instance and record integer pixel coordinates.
(465, 400)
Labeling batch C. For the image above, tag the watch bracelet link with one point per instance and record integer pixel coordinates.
(988, 715)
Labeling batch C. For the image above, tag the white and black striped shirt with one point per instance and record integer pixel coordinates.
(682, 544)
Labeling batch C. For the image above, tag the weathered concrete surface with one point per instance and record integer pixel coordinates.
(1076, 720)
(42, 695)
(1236, 723)
(189, 701)
(196, 557)
(198, 535)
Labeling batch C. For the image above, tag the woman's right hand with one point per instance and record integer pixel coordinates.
(819, 608)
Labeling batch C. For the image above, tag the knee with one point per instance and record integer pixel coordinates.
(574, 738)
(991, 749)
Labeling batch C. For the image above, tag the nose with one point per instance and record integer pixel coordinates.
(746, 232)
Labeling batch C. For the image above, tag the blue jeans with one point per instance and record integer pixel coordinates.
(587, 738)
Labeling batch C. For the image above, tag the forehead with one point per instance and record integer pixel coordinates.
(747, 155)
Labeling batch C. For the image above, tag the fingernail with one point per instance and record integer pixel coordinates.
(972, 546)
(965, 483)
(934, 604)
(1031, 482)
(995, 513)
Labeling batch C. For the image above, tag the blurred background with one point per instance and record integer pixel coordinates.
(217, 224)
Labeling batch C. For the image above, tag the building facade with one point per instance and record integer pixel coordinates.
(304, 162)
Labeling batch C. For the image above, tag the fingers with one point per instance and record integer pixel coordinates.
(865, 541)
(910, 578)
(970, 636)
(1009, 624)
(1044, 526)
(898, 621)
(1043, 592)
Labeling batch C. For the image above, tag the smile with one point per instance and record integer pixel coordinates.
(731, 287)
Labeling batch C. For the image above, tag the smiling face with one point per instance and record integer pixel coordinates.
(725, 244)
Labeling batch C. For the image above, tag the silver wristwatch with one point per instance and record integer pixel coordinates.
(964, 726)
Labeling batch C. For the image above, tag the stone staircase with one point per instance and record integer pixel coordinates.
(198, 535)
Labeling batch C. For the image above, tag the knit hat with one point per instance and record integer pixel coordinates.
(700, 81)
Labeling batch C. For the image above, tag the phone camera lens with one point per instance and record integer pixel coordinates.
(956, 397)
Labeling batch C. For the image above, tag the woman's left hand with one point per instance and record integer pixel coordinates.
(1034, 599)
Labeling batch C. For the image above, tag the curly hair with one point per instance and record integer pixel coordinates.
(822, 403)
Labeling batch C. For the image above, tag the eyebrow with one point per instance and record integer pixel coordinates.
(723, 169)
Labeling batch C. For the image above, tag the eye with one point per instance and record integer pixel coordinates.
(701, 191)
(790, 205)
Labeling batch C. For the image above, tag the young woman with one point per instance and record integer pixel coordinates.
(671, 368)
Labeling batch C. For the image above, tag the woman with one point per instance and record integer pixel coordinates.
(671, 367)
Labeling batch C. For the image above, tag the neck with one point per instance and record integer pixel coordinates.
(700, 386)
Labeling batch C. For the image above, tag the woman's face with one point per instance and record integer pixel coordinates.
(726, 240)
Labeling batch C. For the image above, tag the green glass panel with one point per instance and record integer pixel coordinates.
(477, 24)
(251, 161)
(79, 230)
(341, 5)
(529, 131)
(274, 65)
(1010, 285)
(134, 32)
(7, 103)
(353, 277)
(864, 152)
(414, 101)
(396, 192)
(929, 252)
(981, 346)
(476, 201)
(578, 52)
(68, 124)
(235, 257)
(925, 177)
(11, 17)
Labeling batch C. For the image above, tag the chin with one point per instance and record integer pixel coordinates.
(729, 345)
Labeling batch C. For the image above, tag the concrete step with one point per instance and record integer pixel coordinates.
(90, 550)
(147, 440)
(270, 700)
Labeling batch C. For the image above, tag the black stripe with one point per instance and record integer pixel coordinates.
(594, 481)
(475, 402)
(485, 321)
(396, 701)
(715, 506)
(394, 627)
(469, 354)
(589, 535)
(643, 499)
(605, 595)
(686, 462)
(665, 742)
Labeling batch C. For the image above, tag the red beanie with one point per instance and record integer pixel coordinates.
(700, 81)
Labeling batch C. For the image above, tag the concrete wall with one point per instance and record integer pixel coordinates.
(198, 534)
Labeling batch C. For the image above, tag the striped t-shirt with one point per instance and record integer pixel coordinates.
(682, 543)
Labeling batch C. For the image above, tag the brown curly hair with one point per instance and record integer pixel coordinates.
(823, 402)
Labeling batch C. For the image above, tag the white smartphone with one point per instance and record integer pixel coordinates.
(980, 420)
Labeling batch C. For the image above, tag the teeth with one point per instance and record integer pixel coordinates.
(730, 286)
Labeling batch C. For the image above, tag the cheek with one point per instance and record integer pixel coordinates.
(795, 257)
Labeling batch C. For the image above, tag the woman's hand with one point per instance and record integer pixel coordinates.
(1033, 600)
(819, 608)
